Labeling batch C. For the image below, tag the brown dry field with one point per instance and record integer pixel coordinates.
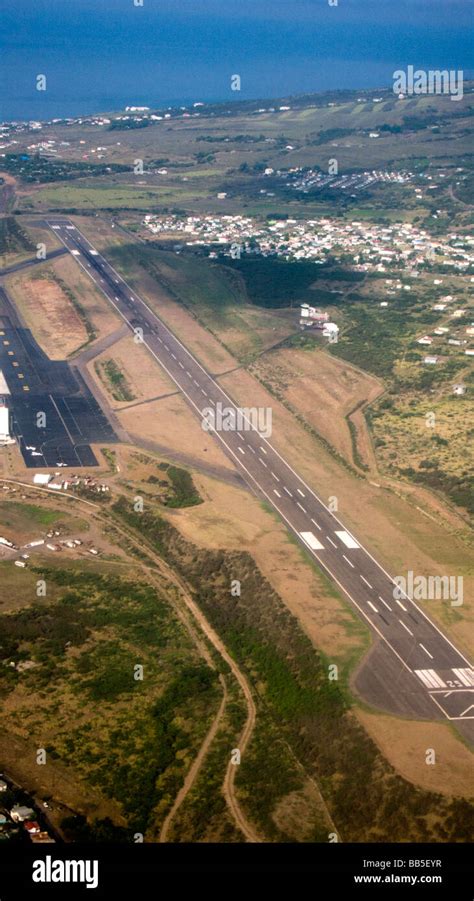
(323, 390)
(98, 310)
(49, 313)
(145, 378)
(170, 423)
(404, 743)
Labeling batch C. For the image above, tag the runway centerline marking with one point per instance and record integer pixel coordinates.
(348, 561)
(426, 651)
(332, 542)
(385, 602)
(365, 580)
(405, 627)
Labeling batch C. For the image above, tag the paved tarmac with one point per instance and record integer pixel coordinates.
(54, 416)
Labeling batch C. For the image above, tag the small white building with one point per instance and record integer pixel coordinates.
(41, 478)
(459, 389)
(5, 437)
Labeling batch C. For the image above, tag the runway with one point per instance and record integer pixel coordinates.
(435, 679)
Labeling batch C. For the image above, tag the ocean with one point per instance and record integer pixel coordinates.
(100, 55)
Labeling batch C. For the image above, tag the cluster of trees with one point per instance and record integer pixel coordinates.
(12, 237)
(38, 170)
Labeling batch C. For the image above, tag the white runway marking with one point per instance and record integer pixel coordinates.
(430, 678)
(300, 506)
(347, 539)
(405, 627)
(374, 608)
(426, 651)
(384, 602)
(242, 451)
(348, 561)
(263, 450)
(401, 605)
(276, 492)
(275, 477)
(332, 542)
(287, 491)
(466, 676)
(311, 541)
(316, 524)
(365, 580)
(263, 463)
(300, 492)
(179, 361)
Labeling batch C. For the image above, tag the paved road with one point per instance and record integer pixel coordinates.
(437, 671)
(33, 262)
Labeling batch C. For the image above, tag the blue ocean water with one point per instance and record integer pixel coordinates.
(104, 54)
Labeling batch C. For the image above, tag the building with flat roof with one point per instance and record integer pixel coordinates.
(5, 437)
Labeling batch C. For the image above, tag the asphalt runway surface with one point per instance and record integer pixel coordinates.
(54, 416)
(417, 669)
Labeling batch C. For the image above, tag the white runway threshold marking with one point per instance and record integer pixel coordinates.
(430, 678)
(347, 539)
(466, 676)
(311, 541)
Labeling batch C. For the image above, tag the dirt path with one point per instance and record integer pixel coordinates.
(196, 766)
(244, 825)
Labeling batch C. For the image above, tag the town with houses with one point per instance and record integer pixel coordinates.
(366, 246)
